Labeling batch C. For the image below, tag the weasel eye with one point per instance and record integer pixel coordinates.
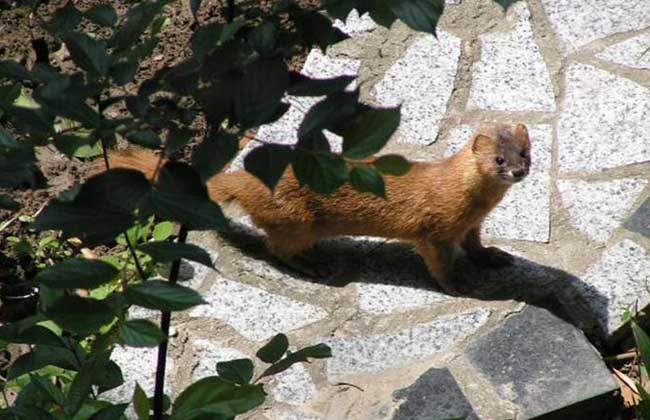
(523, 154)
(500, 160)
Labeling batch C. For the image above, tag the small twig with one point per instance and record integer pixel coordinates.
(622, 356)
(349, 384)
(6, 224)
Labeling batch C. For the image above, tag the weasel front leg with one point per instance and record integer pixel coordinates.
(488, 256)
(439, 258)
(286, 243)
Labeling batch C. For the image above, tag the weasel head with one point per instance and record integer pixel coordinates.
(502, 152)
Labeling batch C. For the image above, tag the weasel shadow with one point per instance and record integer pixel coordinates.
(373, 261)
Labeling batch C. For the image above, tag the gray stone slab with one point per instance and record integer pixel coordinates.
(377, 352)
(207, 354)
(597, 208)
(138, 365)
(618, 280)
(603, 120)
(639, 222)
(380, 298)
(354, 24)
(579, 22)
(256, 314)
(422, 82)
(511, 74)
(294, 386)
(513, 218)
(632, 52)
(434, 395)
(540, 363)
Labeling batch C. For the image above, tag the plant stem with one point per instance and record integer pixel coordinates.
(231, 11)
(143, 276)
(162, 348)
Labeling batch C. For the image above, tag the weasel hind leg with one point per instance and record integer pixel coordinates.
(286, 243)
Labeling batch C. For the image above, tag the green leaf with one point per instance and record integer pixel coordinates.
(112, 412)
(35, 335)
(102, 209)
(329, 112)
(306, 86)
(83, 316)
(88, 53)
(318, 168)
(369, 132)
(141, 403)
(420, 15)
(367, 179)
(212, 154)
(194, 6)
(77, 273)
(263, 37)
(162, 295)
(47, 387)
(340, 9)
(319, 351)
(80, 388)
(642, 409)
(164, 251)
(8, 203)
(102, 14)
(162, 231)
(17, 167)
(268, 163)
(177, 138)
(272, 351)
(145, 138)
(14, 70)
(212, 397)
(25, 412)
(7, 141)
(317, 29)
(124, 72)
(260, 91)
(42, 356)
(140, 333)
(138, 19)
(182, 197)
(65, 19)
(392, 165)
(239, 371)
(71, 144)
(643, 342)
(506, 3)
(109, 377)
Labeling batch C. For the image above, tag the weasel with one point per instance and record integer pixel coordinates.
(437, 206)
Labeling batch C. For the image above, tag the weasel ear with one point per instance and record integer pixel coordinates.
(480, 142)
(521, 133)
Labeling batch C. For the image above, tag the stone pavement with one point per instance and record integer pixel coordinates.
(519, 342)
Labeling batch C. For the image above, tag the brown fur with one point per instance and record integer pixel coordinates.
(436, 206)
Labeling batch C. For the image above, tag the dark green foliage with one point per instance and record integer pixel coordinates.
(77, 273)
(235, 79)
(140, 333)
(239, 371)
(365, 178)
(164, 251)
(268, 162)
(161, 295)
(274, 349)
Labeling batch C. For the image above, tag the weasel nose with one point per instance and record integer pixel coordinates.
(519, 173)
